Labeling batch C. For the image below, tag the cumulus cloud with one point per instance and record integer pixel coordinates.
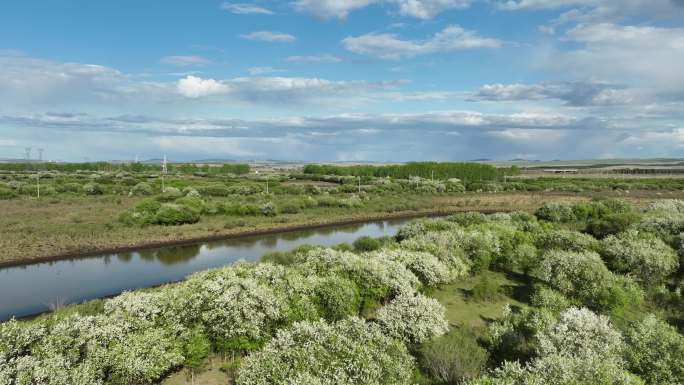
(331, 9)
(390, 46)
(270, 36)
(645, 55)
(314, 59)
(427, 9)
(195, 87)
(185, 61)
(245, 9)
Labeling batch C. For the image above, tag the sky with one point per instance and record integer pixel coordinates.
(342, 80)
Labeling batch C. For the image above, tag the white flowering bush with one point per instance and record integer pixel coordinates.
(413, 318)
(667, 205)
(376, 277)
(656, 352)
(566, 240)
(344, 353)
(581, 332)
(664, 224)
(447, 246)
(556, 212)
(644, 256)
(428, 268)
(581, 348)
(582, 275)
(422, 226)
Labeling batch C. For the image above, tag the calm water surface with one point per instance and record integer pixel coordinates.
(31, 289)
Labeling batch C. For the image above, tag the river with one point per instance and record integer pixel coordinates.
(35, 288)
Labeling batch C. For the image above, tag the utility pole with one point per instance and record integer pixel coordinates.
(266, 185)
(38, 184)
(359, 184)
(164, 171)
(40, 154)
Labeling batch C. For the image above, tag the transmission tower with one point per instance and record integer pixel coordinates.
(40, 154)
(27, 153)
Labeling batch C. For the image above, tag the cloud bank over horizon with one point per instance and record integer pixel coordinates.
(352, 80)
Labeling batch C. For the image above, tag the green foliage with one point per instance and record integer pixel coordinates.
(655, 352)
(640, 254)
(142, 189)
(93, 189)
(196, 349)
(453, 358)
(6, 193)
(171, 214)
(485, 289)
(462, 171)
(337, 298)
(197, 205)
(365, 243)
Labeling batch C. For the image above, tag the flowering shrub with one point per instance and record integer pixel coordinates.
(428, 268)
(566, 240)
(413, 318)
(142, 189)
(581, 275)
(446, 246)
(175, 214)
(556, 212)
(667, 205)
(580, 349)
(641, 254)
(93, 189)
(655, 351)
(348, 352)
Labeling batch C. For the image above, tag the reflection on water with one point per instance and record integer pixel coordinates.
(30, 289)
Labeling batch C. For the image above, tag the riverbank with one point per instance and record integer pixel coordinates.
(41, 231)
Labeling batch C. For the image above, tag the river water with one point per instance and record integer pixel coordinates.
(32, 289)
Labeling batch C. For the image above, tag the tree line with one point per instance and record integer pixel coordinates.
(446, 170)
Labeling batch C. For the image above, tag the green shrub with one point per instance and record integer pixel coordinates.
(214, 190)
(174, 214)
(268, 209)
(641, 254)
(337, 298)
(366, 243)
(93, 189)
(655, 352)
(142, 189)
(453, 359)
(556, 212)
(6, 193)
(486, 289)
(195, 204)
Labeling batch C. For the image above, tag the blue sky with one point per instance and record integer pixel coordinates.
(350, 80)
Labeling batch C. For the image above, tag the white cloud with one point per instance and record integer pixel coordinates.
(427, 9)
(340, 9)
(390, 46)
(572, 93)
(270, 36)
(331, 9)
(245, 9)
(275, 89)
(324, 58)
(647, 56)
(185, 61)
(600, 10)
(7, 142)
(255, 71)
(195, 87)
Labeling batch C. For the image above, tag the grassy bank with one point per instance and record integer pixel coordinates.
(32, 229)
